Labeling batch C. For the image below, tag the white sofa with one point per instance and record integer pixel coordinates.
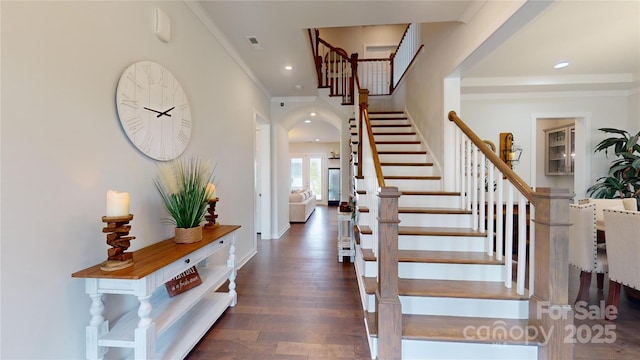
(302, 203)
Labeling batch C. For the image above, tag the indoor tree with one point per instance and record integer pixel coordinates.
(623, 177)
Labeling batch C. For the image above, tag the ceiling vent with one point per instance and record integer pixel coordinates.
(253, 41)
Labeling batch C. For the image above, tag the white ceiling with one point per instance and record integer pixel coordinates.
(601, 39)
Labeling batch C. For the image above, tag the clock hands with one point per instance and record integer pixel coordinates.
(166, 112)
(160, 113)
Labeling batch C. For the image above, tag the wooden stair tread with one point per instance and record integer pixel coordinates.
(381, 112)
(438, 231)
(447, 257)
(389, 125)
(398, 142)
(441, 257)
(364, 230)
(399, 177)
(361, 192)
(431, 210)
(431, 193)
(401, 152)
(452, 328)
(406, 164)
(394, 133)
(462, 289)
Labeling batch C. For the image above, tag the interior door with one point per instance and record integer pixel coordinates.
(333, 198)
(307, 172)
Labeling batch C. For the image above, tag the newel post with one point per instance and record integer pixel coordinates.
(549, 310)
(389, 310)
(363, 101)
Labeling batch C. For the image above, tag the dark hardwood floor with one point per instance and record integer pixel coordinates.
(296, 301)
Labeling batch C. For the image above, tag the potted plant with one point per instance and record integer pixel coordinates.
(623, 179)
(182, 185)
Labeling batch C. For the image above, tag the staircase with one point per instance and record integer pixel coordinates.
(451, 286)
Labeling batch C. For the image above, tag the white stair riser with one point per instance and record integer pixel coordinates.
(361, 200)
(439, 243)
(438, 201)
(404, 157)
(375, 122)
(467, 272)
(416, 349)
(370, 269)
(425, 220)
(360, 184)
(432, 243)
(435, 220)
(366, 241)
(392, 129)
(408, 170)
(402, 137)
(414, 185)
(398, 147)
(485, 308)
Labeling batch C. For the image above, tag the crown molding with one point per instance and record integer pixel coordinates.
(547, 94)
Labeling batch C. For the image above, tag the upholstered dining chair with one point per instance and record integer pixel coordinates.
(617, 204)
(584, 252)
(622, 231)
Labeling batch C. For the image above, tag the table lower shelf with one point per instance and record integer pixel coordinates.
(167, 311)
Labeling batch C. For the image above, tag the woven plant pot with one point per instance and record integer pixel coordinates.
(188, 235)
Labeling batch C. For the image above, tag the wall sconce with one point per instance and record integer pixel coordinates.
(509, 153)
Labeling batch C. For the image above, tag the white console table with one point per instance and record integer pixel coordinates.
(345, 237)
(162, 327)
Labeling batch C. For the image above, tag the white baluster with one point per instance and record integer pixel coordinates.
(474, 203)
(490, 208)
(532, 247)
(482, 203)
(508, 253)
(468, 173)
(522, 243)
(500, 217)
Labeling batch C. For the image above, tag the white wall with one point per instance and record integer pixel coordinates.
(488, 116)
(63, 148)
(446, 47)
(634, 111)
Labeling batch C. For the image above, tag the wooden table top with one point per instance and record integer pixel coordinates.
(156, 256)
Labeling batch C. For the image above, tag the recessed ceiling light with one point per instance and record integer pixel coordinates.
(307, 121)
(317, 139)
(561, 64)
(313, 114)
(288, 67)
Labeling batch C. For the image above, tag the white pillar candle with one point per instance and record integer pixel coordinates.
(211, 191)
(117, 203)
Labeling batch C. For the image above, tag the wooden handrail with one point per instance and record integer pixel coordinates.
(374, 150)
(413, 59)
(516, 180)
(314, 40)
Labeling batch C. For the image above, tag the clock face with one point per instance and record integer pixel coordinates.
(153, 110)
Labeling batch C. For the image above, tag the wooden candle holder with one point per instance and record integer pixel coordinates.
(211, 216)
(117, 230)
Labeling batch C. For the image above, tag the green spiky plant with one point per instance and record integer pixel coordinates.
(623, 178)
(182, 185)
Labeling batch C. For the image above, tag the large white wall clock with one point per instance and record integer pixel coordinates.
(153, 110)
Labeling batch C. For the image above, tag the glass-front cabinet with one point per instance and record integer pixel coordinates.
(560, 150)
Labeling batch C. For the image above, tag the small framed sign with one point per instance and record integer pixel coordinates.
(183, 282)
